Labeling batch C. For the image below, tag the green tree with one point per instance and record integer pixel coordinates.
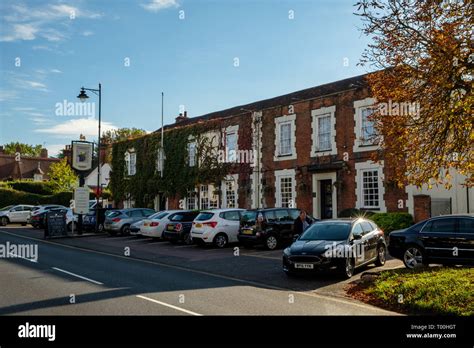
(62, 177)
(25, 149)
(120, 134)
(424, 53)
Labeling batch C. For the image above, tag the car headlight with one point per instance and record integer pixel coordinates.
(286, 252)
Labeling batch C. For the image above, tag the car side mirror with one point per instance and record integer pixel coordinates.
(295, 237)
(357, 236)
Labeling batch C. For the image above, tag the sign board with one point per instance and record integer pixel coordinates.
(81, 200)
(55, 224)
(82, 155)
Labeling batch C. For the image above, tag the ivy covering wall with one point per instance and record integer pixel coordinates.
(178, 177)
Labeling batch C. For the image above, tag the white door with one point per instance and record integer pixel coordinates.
(16, 213)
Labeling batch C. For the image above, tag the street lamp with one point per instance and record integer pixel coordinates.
(83, 97)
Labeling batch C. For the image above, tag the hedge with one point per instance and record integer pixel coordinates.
(40, 188)
(12, 197)
(389, 222)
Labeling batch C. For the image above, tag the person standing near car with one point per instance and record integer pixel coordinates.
(301, 223)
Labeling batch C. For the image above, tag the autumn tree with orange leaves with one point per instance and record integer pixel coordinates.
(422, 51)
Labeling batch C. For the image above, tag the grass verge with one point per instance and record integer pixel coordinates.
(434, 290)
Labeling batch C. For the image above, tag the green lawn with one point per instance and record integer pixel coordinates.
(437, 290)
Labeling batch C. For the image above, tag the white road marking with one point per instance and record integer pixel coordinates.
(24, 258)
(216, 275)
(168, 305)
(78, 276)
(261, 256)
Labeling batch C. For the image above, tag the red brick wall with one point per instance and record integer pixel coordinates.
(422, 207)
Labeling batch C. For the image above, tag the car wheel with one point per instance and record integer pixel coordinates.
(381, 255)
(220, 240)
(413, 257)
(347, 268)
(125, 230)
(271, 242)
(3, 221)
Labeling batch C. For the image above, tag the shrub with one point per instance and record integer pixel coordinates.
(9, 196)
(389, 222)
(40, 188)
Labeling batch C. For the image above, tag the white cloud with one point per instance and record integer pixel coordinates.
(8, 95)
(54, 149)
(28, 84)
(75, 127)
(157, 5)
(56, 71)
(22, 22)
(87, 33)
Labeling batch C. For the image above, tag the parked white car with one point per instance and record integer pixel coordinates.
(154, 225)
(218, 226)
(15, 214)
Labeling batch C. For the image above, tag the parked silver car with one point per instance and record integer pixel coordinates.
(119, 221)
(15, 214)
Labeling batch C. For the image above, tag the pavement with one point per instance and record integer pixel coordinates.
(104, 275)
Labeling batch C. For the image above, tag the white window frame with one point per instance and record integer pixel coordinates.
(279, 121)
(234, 179)
(362, 167)
(228, 131)
(316, 115)
(129, 154)
(159, 161)
(194, 198)
(359, 144)
(192, 159)
(280, 174)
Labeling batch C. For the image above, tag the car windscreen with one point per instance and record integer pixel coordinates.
(204, 216)
(327, 231)
(249, 216)
(158, 216)
(114, 214)
(178, 217)
(8, 207)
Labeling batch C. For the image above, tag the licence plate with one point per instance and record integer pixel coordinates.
(304, 265)
(247, 231)
(198, 225)
(170, 228)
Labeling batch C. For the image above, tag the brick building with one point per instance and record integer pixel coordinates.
(13, 167)
(311, 149)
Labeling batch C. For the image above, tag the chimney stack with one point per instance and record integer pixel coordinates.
(44, 153)
(181, 117)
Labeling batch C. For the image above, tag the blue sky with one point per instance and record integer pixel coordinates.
(49, 49)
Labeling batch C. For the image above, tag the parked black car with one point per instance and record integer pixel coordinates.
(88, 220)
(343, 244)
(268, 227)
(445, 239)
(179, 227)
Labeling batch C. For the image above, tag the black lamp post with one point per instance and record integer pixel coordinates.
(83, 97)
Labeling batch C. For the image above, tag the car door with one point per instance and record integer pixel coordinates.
(284, 230)
(439, 238)
(371, 236)
(136, 215)
(26, 213)
(465, 236)
(15, 214)
(360, 247)
(231, 224)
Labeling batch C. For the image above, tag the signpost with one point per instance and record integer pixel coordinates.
(82, 162)
(81, 200)
(55, 224)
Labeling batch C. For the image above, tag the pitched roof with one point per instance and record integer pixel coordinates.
(286, 99)
(26, 168)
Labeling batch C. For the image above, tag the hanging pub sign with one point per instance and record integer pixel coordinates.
(82, 155)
